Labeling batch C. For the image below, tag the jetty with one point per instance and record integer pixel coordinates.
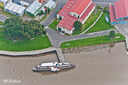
(60, 55)
(36, 52)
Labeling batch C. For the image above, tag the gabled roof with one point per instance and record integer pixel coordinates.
(80, 6)
(15, 7)
(34, 7)
(50, 4)
(28, 1)
(68, 20)
(4, 1)
(121, 8)
(112, 13)
(67, 7)
(87, 12)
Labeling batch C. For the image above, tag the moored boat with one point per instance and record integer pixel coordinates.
(53, 66)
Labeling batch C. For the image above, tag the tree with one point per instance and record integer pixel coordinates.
(42, 26)
(27, 35)
(12, 27)
(106, 9)
(77, 25)
(47, 11)
(112, 34)
(40, 13)
(98, 7)
(15, 27)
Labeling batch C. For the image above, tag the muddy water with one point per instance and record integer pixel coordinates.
(98, 67)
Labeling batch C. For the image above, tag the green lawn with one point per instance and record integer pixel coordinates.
(40, 42)
(54, 24)
(88, 23)
(91, 41)
(2, 5)
(1, 23)
(43, 18)
(6, 13)
(101, 25)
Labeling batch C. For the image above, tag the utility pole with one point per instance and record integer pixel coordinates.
(47, 10)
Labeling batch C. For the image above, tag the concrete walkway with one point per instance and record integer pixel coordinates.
(123, 29)
(1, 26)
(60, 55)
(36, 52)
(3, 18)
(26, 53)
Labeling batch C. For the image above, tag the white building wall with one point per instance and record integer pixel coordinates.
(66, 30)
(88, 15)
(73, 13)
(59, 15)
(86, 8)
(15, 9)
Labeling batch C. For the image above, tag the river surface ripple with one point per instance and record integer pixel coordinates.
(98, 67)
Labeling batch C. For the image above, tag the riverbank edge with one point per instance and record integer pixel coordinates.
(90, 48)
(67, 50)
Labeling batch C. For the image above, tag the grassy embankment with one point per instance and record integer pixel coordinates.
(43, 18)
(1, 23)
(88, 22)
(54, 24)
(39, 42)
(100, 25)
(92, 41)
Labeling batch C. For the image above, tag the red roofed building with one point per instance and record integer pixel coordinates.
(74, 10)
(119, 12)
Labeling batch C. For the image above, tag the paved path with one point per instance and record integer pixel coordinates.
(93, 23)
(3, 18)
(1, 26)
(52, 16)
(123, 29)
(56, 38)
(25, 53)
(36, 52)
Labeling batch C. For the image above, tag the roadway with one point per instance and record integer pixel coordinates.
(56, 38)
(61, 3)
(52, 16)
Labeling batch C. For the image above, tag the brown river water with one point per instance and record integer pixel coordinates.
(97, 67)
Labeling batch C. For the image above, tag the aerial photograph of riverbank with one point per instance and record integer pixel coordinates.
(63, 42)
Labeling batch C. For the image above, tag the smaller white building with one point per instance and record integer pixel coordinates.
(15, 9)
(4, 2)
(25, 4)
(50, 4)
(34, 8)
